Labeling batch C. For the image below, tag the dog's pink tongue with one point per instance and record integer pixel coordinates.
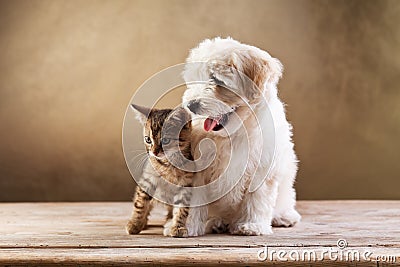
(209, 124)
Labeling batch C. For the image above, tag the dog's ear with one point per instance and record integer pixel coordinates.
(142, 113)
(246, 72)
(260, 68)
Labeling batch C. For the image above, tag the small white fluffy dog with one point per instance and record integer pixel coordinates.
(240, 211)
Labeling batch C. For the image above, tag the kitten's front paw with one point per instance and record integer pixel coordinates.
(134, 227)
(251, 229)
(178, 231)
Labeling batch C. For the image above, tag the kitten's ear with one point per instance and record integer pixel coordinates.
(183, 115)
(141, 113)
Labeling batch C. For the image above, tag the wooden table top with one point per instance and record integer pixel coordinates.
(94, 233)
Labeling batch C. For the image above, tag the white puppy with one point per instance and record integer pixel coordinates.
(231, 88)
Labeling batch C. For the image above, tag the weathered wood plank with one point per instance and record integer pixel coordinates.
(93, 233)
(361, 223)
(181, 256)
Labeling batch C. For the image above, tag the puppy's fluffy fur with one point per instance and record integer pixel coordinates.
(273, 203)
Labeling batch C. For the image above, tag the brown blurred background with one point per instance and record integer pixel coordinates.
(69, 68)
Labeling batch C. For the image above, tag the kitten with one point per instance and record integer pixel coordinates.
(158, 167)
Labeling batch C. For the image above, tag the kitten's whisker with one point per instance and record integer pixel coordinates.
(138, 155)
(141, 161)
(138, 163)
(140, 166)
(138, 158)
(135, 150)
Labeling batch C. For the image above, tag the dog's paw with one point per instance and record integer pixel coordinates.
(251, 229)
(196, 229)
(134, 227)
(286, 219)
(215, 225)
(178, 231)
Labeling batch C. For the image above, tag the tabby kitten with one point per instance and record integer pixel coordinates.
(159, 167)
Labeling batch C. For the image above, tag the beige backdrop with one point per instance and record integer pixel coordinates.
(69, 68)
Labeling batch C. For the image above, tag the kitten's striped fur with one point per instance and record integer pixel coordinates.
(159, 167)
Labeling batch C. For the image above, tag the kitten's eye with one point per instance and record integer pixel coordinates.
(165, 141)
(147, 140)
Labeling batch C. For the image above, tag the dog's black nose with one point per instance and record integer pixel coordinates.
(193, 106)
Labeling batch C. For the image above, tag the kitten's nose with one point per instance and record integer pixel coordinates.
(156, 151)
(194, 105)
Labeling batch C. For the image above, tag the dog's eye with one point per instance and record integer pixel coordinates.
(217, 81)
(147, 139)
